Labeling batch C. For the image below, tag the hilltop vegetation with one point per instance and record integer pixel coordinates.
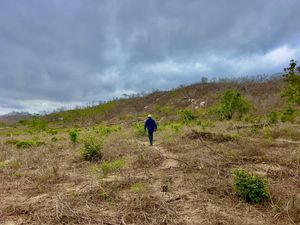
(234, 160)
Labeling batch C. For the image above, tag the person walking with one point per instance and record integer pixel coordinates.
(150, 124)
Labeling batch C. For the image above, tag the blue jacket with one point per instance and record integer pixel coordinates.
(150, 125)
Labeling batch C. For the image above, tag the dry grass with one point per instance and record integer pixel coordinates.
(186, 179)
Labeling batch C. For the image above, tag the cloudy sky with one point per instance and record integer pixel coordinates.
(59, 53)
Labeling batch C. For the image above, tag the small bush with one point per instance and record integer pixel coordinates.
(272, 117)
(52, 131)
(139, 130)
(25, 144)
(92, 149)
(292, 90)
(232, 103)
(186, 115)
(37, 123)
(288, 115)
(109, 167)
(29, 144)
(250, 187)
(73, 134)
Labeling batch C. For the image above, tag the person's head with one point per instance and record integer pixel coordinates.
(149, 116)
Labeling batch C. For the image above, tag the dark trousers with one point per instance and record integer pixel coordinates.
(150, 135)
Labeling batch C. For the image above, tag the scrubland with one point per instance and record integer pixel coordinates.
(185, 178)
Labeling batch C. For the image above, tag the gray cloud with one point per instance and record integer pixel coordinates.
(73, 52)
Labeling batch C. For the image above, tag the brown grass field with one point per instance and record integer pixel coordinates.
(185, 178)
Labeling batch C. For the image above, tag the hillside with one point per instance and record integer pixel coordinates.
(12, 118)
(48, 176)
(264, 97)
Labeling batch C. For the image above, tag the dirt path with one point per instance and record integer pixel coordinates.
(168, 181)
(170, 159)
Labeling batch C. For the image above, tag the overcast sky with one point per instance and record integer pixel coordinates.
(59, 53)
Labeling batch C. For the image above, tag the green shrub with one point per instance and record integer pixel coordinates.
(232, 103)
(92, 148)
(73, 134)
(292, 90)
(25, 144)
(52, 131)
(139, 130)
(250, 187)
(186, 115)
(29, 143)
(288, 115)
(109, 167)
(272, 117)
(37, 123)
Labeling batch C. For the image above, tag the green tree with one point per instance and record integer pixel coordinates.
(232, 103)
(292, 76)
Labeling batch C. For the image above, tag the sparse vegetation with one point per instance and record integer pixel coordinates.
(188, 168)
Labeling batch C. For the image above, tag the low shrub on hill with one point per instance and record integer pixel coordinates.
(139, 130)
(272, 117)
(92, 148)
(73, 134)
(186, 115)
(29, 143)
(37, 123)
(288, 115)
(232, 104)
(250, 187)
